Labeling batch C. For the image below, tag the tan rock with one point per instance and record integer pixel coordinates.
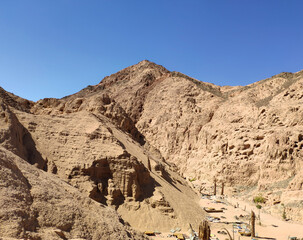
(35, 204)
(122, 141)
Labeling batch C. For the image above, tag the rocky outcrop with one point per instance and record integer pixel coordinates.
(158, 201)
(118, 179)
(14, 101)
(38, 205)
(137, 81)
(98, 105)
(15, 138)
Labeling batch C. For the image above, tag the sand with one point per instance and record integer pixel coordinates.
(270, 228)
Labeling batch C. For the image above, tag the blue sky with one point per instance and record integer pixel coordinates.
(53, 48)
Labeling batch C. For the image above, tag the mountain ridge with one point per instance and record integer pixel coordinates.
(137, 140)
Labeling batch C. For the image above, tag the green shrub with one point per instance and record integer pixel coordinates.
(259, 199)
(258, 206)
(192, 179)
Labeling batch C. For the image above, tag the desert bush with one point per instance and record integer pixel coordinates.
(192, 179)
(259, 199)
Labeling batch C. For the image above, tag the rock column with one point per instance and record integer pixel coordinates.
(252, 222)
(204, 230)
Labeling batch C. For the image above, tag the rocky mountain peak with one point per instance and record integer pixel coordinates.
(135, 142)
(145, 70)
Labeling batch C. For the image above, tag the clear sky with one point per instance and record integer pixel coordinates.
(53, 48)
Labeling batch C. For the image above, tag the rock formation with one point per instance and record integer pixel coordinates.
(249, 137)
(129, 142)
(97, 148)
(36, 205)
(94, 146)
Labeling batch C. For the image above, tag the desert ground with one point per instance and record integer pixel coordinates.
(267, 226)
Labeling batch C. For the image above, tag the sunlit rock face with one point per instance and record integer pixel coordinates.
(247, 137)
(129, 143)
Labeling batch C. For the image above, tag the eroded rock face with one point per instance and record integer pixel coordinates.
(14, 101)
(248, 137)
(245, 136)
(117, 179)
(16, 138)
(84, 151)
(37, 204)
(98, 105)
(91, 151)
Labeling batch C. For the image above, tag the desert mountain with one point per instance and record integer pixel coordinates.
(89, 146)
(132, 142)
(248, 137)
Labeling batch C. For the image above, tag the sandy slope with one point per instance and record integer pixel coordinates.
(182, 199)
